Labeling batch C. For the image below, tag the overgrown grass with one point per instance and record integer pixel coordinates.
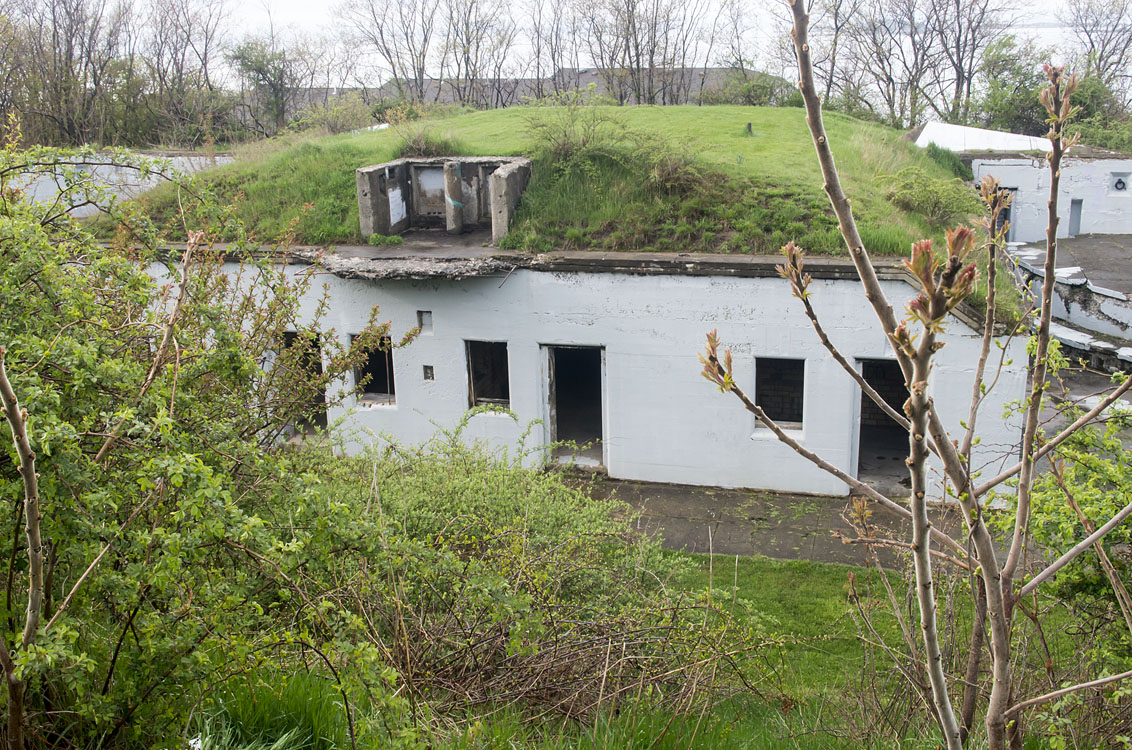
(806, 601)
(760, 190)
(283, 712)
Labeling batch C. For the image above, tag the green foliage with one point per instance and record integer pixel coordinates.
(340, 115)
(940, 202)
(1105, 132)
(268, 72)
(161, 456)
(949, 160)
(1098, 473)
(420, 141)
(755, 89)
(300, 711)
(378, 240)
(1013, 73)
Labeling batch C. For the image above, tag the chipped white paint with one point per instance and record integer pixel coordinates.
(1076, 300)
(397, 208)
(661, 420)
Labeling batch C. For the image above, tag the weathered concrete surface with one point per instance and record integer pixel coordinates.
(453, 198)
(457, 193)
(750, 522)
(1091, 295)
(1106, 259)
(507, 186)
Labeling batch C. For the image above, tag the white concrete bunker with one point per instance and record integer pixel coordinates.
(602, 349)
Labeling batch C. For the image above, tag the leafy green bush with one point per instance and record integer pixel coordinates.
(419, 141)
(339, 115)
(1104, 132)
(385, 239)
(940, 202)
(755, 89)
(950, 160)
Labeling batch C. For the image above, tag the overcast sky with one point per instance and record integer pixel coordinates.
(1036, 18)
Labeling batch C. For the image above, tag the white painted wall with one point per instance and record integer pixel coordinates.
(662, 420)
(1104, 210)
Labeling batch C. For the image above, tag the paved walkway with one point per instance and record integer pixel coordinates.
(1103, 258)
(749, 522)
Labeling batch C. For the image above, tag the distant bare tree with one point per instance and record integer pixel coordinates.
(736, 47)
(403, 34)
(646, 49)
(11, 60)
(832, 26)
(479, 36)
(184, 47)
(899, 52)
(963, 30)
(69, 49)
(1103, 29)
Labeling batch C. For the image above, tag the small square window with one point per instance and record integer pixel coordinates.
(424, 320)
(428, 373)
(780, 388)
(376, 376)
(487, 373)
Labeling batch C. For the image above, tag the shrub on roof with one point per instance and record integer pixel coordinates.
(948, 159)
(940, 202)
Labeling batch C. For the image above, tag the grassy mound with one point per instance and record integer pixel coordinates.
(689, 179)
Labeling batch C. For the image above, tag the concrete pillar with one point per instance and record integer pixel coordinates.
(507, 184)
(373, 201)
(453, 198)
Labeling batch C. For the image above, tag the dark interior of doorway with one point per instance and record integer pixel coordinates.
(883, 445)
(310, 363)
(576, 401)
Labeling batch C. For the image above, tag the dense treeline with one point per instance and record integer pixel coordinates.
(180, 73)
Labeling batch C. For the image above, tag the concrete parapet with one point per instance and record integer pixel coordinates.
(507, 186)
(458, 193)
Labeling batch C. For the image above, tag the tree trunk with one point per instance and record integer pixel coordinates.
(15, 733)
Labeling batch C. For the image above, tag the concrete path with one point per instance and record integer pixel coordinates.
(749, 522)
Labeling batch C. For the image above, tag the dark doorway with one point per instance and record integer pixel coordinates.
(1004, 217)
(307, 365)
(883, 445)
(575, 401)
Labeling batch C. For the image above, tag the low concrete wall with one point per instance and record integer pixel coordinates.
(459, 193)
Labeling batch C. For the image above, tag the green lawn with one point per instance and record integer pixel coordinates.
(759, 191)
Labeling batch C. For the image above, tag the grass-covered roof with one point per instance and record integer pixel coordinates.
(686, 179)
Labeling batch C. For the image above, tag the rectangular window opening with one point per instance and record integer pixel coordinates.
(424, 321)
(780, 389)
(487, 373)
(376, 376)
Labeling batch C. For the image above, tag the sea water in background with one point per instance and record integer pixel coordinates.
(123, 182)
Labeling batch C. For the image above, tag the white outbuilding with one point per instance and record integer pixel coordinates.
(1096, 184)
